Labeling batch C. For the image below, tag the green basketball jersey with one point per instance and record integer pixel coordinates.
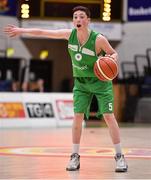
(83, 57)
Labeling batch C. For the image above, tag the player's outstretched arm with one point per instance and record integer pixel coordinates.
(13, 31)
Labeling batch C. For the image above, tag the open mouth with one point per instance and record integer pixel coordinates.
(78, 25)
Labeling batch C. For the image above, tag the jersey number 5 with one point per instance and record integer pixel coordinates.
(110, 107)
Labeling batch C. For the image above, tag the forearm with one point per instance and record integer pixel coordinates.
(33, 32)
(56, 34)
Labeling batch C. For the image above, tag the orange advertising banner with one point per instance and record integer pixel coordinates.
(12, 110)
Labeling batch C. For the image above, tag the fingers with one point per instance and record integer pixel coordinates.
(110, 56)
(10, 33)
(9, 27)
(107, 55)
(10, 30)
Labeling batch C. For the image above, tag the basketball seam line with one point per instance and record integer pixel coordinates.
(110, 67)
(102, 71)
(114, 63)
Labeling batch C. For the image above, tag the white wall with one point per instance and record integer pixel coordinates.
(16, 43)
(136, 39)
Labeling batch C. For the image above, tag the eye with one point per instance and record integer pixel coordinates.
(82, 17)
(74, 17)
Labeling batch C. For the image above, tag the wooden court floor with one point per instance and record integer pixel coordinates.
(44, 153)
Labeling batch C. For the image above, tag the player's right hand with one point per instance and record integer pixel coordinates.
(12, 30)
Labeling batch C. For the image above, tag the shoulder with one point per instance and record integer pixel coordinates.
(67, 33)
(101, 44)
(100, 38)
(72, 33)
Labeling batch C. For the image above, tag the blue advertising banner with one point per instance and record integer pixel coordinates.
(8, 7)
(139, 10)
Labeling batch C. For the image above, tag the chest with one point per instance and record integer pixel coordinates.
(83, 45)
(82, 41)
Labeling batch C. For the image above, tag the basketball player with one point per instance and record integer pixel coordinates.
(84, 47)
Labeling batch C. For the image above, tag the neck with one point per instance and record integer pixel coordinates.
(83, 36)
(83, 32)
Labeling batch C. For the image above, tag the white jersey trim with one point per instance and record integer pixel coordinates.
(73, 47)
(88, 52)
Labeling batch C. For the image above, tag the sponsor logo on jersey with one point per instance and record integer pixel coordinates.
(80, 67)
(78, 57)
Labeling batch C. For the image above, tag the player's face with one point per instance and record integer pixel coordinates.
(80, 19)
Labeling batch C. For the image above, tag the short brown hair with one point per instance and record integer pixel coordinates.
(82, 8)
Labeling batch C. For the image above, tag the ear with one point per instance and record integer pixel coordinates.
(89, 19)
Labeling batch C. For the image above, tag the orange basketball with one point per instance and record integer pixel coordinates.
(105, 68)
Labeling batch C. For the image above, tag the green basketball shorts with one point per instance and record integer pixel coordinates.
(84, 90)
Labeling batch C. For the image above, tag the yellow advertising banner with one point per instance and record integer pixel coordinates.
(12, 110)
